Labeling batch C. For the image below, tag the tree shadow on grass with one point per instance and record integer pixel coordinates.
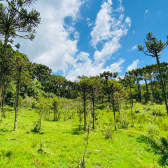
(77, 131)
(2, 130)
(152, 144)
(147, 140)
(158, 147)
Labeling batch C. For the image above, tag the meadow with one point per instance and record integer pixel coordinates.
(63, 144)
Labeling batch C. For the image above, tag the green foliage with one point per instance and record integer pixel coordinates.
(107, 131)
(29, 102)
(153, 130)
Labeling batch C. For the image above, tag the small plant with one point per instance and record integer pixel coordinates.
(40, 149)
(28, 131)
(37, 127)
(137, 111)
(123, 119)
(153, 130)
(9, 154)
(108, 132)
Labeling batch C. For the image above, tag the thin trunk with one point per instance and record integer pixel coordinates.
(55, 112)
(162, 83)
(152, 89)
(113, 107)
(131, 105)
(84, 105)
(2, 82)
(146, 97)
(139, 90)
(93, 101)
(17, 99)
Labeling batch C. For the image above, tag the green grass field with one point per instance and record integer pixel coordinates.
(60, 144)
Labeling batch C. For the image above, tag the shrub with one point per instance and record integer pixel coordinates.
(153, 130)
(123, 120)
(28, 102)
(108, 132)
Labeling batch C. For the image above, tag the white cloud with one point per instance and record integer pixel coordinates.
(128, 21)
(108, 48)
(115, 67)
(88, 68)
(89, 23)
(53, 45)
(133, 32)
(133, 48)
(134, 65)
(146, 12)
(85, 68)
(108, 30)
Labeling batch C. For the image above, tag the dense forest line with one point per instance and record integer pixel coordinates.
(26, 80)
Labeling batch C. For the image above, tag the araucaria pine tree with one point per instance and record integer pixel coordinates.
(153, 48)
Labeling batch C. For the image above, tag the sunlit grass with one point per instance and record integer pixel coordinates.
(61, 143)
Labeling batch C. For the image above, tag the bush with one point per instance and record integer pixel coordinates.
(123, 120)
(153, 130)
(37, 127)
(158, 112)
(28, 102)
(108, 132)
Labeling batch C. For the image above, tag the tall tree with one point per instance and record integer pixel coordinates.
(129, 81)
(83, 87)
(106, 75)
(138, 79)
(21, 74)
(16, 21)
(153, 48)
(94, 88)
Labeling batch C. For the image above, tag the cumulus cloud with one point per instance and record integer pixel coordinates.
(108, 30)
(133, 48)
(115, 67)
(53, 45)
(88, 68)
(56, 42)
(89, 23)
(134, 65)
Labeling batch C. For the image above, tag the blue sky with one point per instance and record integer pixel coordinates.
(87, 37)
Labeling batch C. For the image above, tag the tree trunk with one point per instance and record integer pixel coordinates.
(84, 105)
(114, 111)
(55, 112)
(93, 101)
(152, 90)
(146, 98)
(131, 105)
(139, 90)
(2, 81)
(17, 99)
(162, 83)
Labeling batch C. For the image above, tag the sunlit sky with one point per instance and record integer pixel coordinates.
(87, 37)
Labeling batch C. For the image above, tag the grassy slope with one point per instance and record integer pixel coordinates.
(63, 145)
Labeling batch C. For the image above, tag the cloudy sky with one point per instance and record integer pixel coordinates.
(87, 37)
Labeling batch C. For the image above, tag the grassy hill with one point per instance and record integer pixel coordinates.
(62, 144)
